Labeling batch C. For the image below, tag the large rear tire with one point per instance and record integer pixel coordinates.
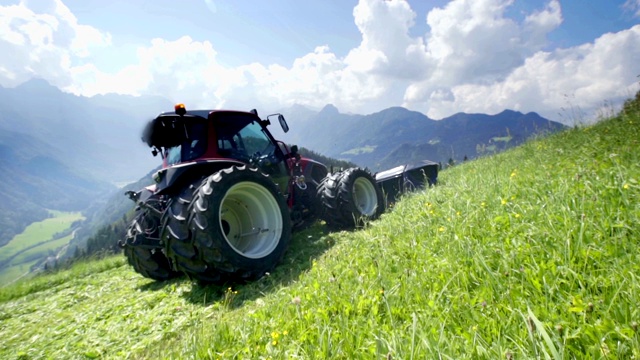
(150, 263)
(350, 198)
(239, 228)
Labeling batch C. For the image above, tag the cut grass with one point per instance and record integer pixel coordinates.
(531, 253)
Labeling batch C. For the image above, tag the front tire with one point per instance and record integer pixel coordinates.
(239, 227)
(350, 198)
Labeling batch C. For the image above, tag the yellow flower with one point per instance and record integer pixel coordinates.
(285, 332)
(441, 228)
(517, 215)
(625, 186)
(458, 213)
(274, 343)
(483, 204)
(503, 202)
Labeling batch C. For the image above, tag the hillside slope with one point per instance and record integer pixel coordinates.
(531, 253)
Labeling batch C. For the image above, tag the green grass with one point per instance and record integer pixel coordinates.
(41, 250)
(532, 253)
(35, 242)
(15, 272)
(38, 232)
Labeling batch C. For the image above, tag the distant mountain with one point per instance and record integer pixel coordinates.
(397, 135)
(62, 152)
(33, 179)
(100, 135)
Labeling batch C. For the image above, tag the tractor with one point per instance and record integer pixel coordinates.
(229, 195)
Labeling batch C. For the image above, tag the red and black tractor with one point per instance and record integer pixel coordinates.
(229, 195)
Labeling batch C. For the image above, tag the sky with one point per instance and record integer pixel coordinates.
(568, 60)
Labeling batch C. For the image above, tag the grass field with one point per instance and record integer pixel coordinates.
(22, 250)
(529, 254)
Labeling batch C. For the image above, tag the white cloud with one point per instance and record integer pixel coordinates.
(633, 6)
(583, 77)
(474, 58)
(472, 42)
(44, 40)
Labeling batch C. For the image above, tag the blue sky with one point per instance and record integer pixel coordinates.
(434, 56)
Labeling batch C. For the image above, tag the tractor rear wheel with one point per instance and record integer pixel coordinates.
(239, 227)
(150, 263)
(350, 198)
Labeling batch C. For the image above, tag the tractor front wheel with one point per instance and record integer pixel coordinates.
(350, 198)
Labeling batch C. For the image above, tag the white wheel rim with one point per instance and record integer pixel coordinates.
(364, 194)
(251, 220)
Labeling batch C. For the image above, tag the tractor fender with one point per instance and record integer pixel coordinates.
(172, 179)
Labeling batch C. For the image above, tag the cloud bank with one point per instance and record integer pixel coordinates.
(473, 59)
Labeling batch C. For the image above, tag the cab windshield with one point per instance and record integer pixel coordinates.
(241, 137)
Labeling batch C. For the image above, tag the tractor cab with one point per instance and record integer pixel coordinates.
(229, 195)
(185, 136)
(215, 139)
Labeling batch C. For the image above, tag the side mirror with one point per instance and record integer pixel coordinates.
(283, 123)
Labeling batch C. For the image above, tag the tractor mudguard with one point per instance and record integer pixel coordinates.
(172, 179)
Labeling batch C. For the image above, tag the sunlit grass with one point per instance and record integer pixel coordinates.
(532, 253)
(38, 232)
(33, 244)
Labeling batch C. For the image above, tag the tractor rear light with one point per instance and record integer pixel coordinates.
(180, 109)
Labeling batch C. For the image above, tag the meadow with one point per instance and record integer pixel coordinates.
(530, 253)
(34, 243)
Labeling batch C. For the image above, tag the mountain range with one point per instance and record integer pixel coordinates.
(397, 136)
(65, 152)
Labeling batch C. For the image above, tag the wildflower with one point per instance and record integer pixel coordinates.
(458, 213)
(483, 204)
(517, 215)
(275, 334)
(296, 300)
(625, 186)
(513, 174)
(274, 343)
(441, 228)
(503, 202)
(285, 332)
